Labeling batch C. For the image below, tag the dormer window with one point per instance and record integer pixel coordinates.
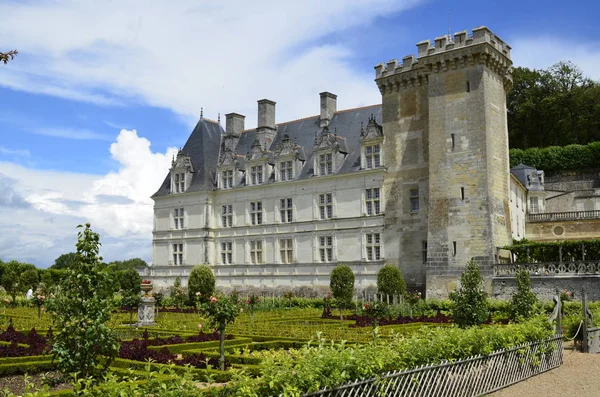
(288, 159)
(325, 164)
(286, 170)
(372, 156)
(227, 179)
(181, 173)
(180, 182)
(371, 140)
(256, 173)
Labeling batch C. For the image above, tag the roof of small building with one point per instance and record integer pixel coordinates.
(522, 171)
(204, 145)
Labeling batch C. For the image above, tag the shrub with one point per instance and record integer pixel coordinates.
(469, 301)
(390, 281)
(177, 293)
(523, 300)
(84, 343)
(202, 281)
(342, 286)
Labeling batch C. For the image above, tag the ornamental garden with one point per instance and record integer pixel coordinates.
(81, 335)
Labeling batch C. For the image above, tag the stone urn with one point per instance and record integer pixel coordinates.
(147, 287)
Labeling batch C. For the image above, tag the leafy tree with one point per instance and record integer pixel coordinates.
(18, 277)
(128, 264)
(50, 278)
(83, 343)
(469, 302)
(390, 281)
(130, 282)
(202, 280)
(341, 284)
(8, 56)
(523, 299)
(65, 261)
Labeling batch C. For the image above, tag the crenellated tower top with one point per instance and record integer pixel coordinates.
(446, 53)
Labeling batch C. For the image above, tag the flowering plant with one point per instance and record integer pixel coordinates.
(220, 311)
(566, 295)
(413, 297)
(146, 281)
(376, 311)
(252, 301)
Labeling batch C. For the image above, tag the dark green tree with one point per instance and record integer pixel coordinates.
(64, 261)
(127, 264)
(341, 284)
(469, 302)
(523, 300)
(202, 281)
(390, 281)
(18, 277)
(83, 342)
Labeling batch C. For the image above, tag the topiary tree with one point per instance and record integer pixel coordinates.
(202, 281)
(177, 293)
(341, 284)
(84, 345)
(523, 299)
(220, 311)
(130, 282)
(469, 302)
(390, 281)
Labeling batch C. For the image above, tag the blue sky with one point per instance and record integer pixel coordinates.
(90, 73)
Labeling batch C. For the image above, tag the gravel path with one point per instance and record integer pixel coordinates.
(578, 376)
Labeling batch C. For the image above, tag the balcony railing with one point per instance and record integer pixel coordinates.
(549, 269)
(564, 216)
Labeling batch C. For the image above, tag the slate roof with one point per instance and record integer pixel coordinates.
(521, 171)
(204, 144)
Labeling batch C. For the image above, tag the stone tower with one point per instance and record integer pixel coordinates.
(444, 117)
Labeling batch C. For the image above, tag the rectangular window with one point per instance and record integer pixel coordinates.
(256, 252)
(326, 206)
(414, 200)
(178, 218)
(178, 254)
(256, 173)
(372, 156)
(373, 245)
(180, 182)
(326, 248)
(424, 251)
(227, 215)
(286, 210)
(372, 201)
(256, 215)
(227, 179)
(286, 171)
(325, 164)
(286, 250)
(533, 205)
(227, 253)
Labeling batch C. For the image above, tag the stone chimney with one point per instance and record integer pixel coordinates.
(266, 128)
(234, 125)
(328, 107)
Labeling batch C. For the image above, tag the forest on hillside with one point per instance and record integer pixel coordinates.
(557, 106)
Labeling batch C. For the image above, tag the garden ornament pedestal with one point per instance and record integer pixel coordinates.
(146, 307)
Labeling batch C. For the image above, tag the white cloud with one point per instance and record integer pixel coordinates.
(69, 133)
(184, 55)
(15, 152)
(38, 222)
(544, 51)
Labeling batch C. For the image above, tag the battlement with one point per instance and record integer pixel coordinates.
(443, 45)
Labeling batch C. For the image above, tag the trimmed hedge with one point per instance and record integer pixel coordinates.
(549, 251)
(554, 159)
(200, 346)
(205, 375)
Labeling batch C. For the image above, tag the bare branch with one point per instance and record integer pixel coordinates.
(8, 56)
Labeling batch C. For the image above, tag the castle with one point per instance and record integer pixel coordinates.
(421, 181)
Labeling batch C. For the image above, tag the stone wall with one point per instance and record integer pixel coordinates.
(584, 229)
(546, 287)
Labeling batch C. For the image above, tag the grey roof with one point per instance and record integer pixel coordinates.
(522, 171)
(204, 144)
(203, 149)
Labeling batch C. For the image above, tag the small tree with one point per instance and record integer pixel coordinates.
(130, 282)
(523, 300)
(83, 343)
(177, 293)
(341, 284)
(390, 281)
(220, 311)
(469, 302)
(18, 277)
(201, 280)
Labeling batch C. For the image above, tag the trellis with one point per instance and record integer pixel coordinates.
(473, 376)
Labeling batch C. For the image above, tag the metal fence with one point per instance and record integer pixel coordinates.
(470, 377)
